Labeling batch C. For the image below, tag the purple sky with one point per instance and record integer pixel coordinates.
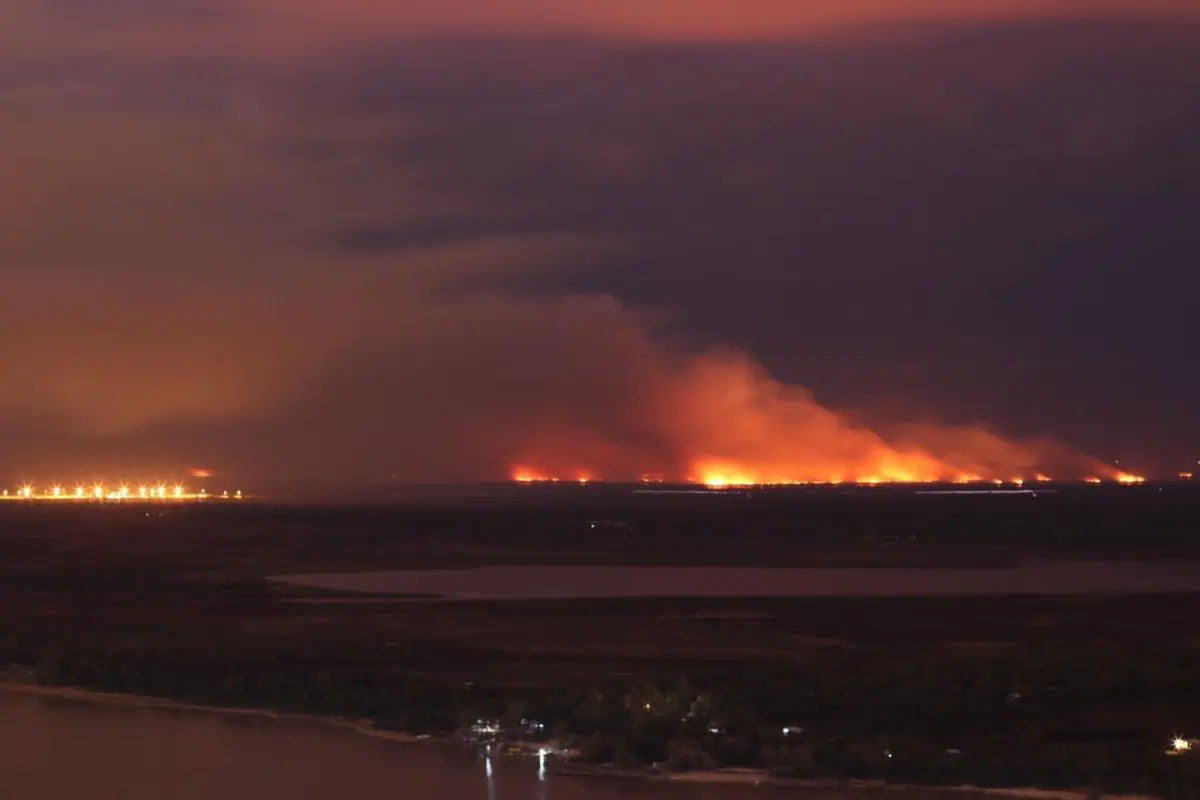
(295, 240)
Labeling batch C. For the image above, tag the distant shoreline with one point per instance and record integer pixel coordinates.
(762, 778)
(70, 693)
(497, 583)
(367, 729)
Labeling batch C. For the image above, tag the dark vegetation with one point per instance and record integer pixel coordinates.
(1062, 691)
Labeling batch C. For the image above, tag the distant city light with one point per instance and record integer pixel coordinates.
(55, 492)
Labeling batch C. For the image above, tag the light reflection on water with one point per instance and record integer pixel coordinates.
(61, 750)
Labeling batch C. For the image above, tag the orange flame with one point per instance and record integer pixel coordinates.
(527, 475)
(721, 421)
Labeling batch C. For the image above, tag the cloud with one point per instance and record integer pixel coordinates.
(428, 255)
(269, 30)
(706, 20)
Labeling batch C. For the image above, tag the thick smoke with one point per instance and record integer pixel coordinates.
(719, 417)
(287, 262)
(380, 376)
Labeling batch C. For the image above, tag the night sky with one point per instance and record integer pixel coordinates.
(368, 240)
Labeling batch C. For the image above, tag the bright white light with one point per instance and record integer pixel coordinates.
(1180, 744)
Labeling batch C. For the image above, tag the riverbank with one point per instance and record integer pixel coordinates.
(366, 728)
(762, 778)
(71, 694)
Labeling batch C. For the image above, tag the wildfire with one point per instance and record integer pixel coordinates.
(728, 475)
(720, 420)
(720, 474)
(528, 475)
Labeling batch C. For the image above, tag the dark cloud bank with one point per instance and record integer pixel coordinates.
(941, 223)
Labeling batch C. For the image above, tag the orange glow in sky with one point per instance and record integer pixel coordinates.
(728, 475)
(528, 475)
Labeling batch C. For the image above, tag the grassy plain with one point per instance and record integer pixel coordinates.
(173, 601)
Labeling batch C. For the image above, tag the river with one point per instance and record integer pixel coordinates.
(52, 749)
(576, 582)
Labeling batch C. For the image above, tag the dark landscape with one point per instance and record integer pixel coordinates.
(784, 394)
(174, 601)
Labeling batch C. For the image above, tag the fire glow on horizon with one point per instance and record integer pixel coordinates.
(724, 477)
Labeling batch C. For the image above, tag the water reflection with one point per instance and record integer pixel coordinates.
(58, 750)
(558, 582)
(541, 784)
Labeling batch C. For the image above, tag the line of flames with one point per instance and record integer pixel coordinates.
(723, 480)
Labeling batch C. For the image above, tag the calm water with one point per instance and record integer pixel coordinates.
(60, 750)
(551, 583)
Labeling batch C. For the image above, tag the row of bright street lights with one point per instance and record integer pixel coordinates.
(99, 492)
